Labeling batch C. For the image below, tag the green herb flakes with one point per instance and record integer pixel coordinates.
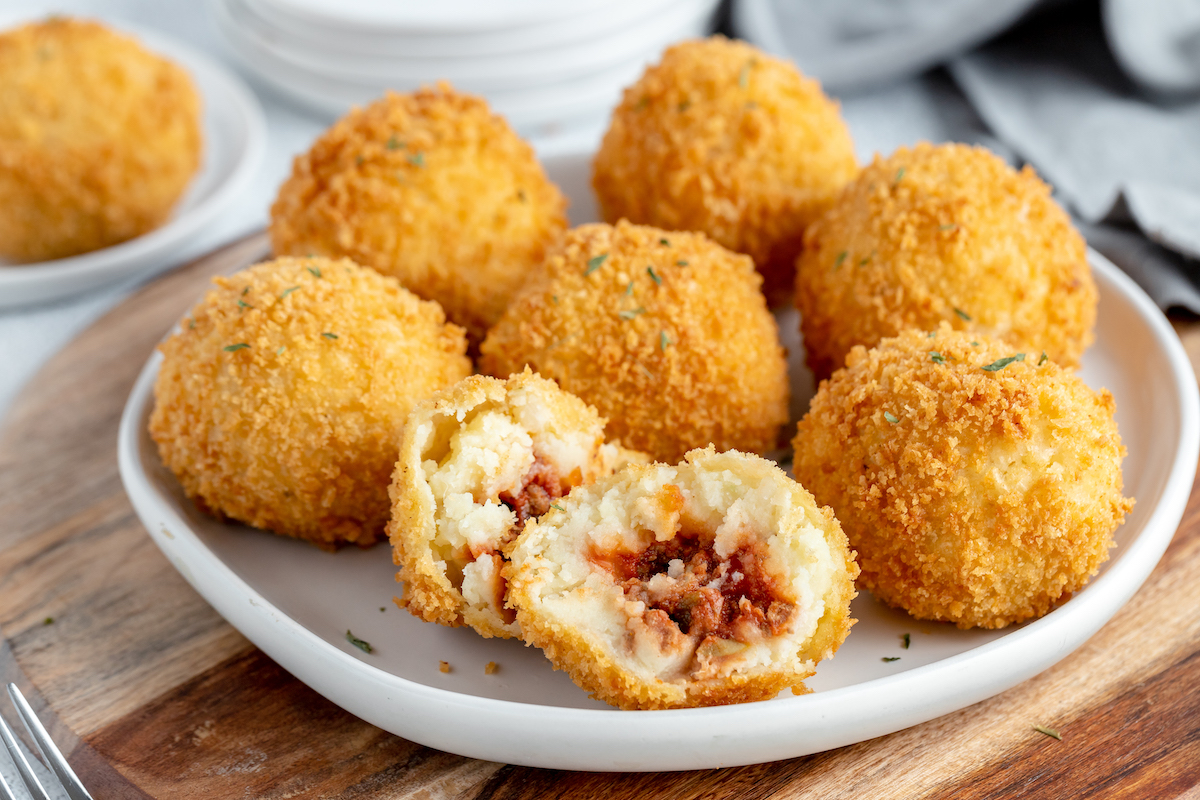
(629, 289)
(229, 348)
(280, 350)
(936, 357)
(1001, 363)
(744, 75)
(665, 242)
(288, 291)
(905, 640)
(899, 176)
(316, 271)
(1043, 359)
(329, 335)
(653, 275)
(631, 313)
(594, 263)
(243, 304)
(889, 659)
(245, 290)
(931, 335)
(663, 341)
(359, 643)
(890, 417)
(950, 227)
(48, 621)
(556, 505)
(417, 159)
(684, 106)
(974, 344)
(962, 314)
(681, 263)
(1053, 734)
(841, 257)
(394, 144)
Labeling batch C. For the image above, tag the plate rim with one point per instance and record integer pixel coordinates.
(34, 283)
(752, 733)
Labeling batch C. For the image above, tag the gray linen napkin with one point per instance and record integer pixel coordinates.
(1122, 159)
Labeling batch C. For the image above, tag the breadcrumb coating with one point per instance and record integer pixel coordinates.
(666, 334)
(980, 485)
(281, 398)
(944, 233)
(477, 461)
(715, 581)
(432, 188)
(722, 138)
(98, 139)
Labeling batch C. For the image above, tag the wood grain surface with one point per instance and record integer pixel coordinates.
(154, 695)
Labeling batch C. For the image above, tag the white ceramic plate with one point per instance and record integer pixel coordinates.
(581, 27)
(234, 140)
(297, 602)
(481, 73)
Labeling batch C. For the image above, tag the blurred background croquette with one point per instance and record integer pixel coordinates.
(666, 334)
(429, 187)
(721, 138)
(98, 139)
(282, 396)
(946, 233)
(979, 484)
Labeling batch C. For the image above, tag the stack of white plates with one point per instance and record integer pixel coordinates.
(543, 64)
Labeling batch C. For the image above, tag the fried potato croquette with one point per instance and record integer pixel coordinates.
(666, 334)
(281, 398)
(722, 138)
(980, 485)
(432, 188)
(98, 139)
(715, 581)
(477, 461)
(944, 233)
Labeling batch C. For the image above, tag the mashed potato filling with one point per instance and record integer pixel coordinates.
(475, 466)
(717, 580)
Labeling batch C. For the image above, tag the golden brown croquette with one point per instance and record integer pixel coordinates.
(979, 484)
(666, 334)
(944, 233)
(98, 139)
(477, 461)
(281, 398)
(715, 581)
(432, 188)
(722, 138)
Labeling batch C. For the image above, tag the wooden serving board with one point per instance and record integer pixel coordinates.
(154, 695)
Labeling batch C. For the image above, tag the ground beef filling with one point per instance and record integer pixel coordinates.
(732, 598)
(537, 491)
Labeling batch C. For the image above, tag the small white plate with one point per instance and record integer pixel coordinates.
(297, 602)
(235, 138)
(480, 73)
(582, 25)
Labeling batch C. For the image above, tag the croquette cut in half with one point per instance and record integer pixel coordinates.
(979, 484)
(944, 233)
(477, 461)
(715, 581)
(666, 334)
(280, 399)
(722, 138)
(98, 139)
(432, 188)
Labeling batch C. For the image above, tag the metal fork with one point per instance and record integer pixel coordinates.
(51, 755)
